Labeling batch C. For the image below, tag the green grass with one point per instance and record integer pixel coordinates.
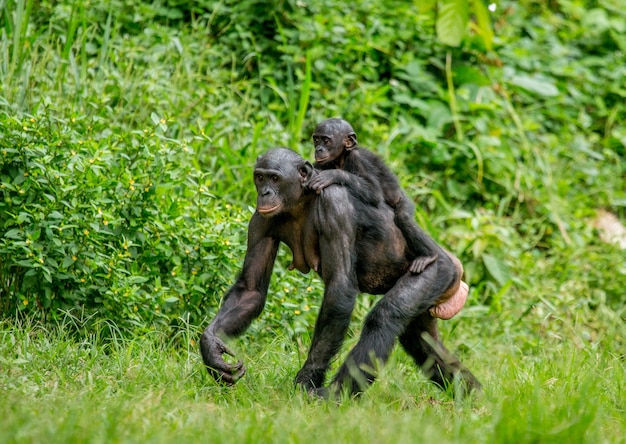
(90, 388)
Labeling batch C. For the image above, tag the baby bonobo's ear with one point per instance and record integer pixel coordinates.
(307, 172)
(350, 141)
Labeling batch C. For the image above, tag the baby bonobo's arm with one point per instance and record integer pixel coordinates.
(361, 186)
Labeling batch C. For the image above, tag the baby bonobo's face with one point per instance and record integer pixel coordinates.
(330, 140)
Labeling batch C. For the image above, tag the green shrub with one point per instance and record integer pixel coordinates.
(124, 226)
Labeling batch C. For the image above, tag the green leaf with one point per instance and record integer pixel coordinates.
(35, 234)
(424, 6)
(67, 261)
(536, 84)
(15, 233)
(452, 21)
(497, 268)
(134, 280)
(46, 275)
(411, 101)
(596, 21)
(483, 23)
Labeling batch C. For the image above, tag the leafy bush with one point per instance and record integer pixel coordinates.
(117, 225)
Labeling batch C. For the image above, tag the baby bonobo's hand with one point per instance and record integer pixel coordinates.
(418, 265)
(322, 180)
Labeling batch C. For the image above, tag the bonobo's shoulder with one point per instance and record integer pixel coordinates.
(335, 210)
(374, 161)
(336, 199)
(336, 193)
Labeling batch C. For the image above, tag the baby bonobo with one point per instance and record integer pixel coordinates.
(337, 154)
(341, 161)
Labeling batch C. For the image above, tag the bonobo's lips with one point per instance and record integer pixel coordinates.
(266, 210)
(321, 159)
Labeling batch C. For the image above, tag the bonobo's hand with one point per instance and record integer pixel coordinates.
(212, 349)
(322, 180)
(418, 265)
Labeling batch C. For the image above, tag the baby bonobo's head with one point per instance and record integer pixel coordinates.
(333, 138)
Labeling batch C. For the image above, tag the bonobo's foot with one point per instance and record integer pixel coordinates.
(452, 306)
(418, 265)
(464, 384)
(320, 393)
(309, 379)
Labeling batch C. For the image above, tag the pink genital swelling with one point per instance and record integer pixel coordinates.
(452, 306)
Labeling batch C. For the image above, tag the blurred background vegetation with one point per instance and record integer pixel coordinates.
(128, 131)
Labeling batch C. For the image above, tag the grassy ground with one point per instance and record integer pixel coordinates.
(152, 388)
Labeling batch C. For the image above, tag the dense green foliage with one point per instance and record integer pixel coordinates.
(137, 124)
(127, 134)
(97, 220)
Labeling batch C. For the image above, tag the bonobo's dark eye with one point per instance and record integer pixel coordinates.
(274, 178)
(326, 140)
(258, 177)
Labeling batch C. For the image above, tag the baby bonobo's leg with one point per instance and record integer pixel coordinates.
(419, 243)
(453, 300)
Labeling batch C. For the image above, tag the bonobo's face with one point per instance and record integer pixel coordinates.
(331, 138)
(280, 176)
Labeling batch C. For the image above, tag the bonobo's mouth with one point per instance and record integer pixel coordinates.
(321, 159)
(265, 210)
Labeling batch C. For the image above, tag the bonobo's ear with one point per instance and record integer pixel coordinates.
(307, 172)
(350, 141)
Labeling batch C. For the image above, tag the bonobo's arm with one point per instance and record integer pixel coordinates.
(242, 303)
(337, 231)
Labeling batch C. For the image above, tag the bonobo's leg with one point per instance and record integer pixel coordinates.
(421, 341)
(392, 315)
(330, 330)
(420, 244)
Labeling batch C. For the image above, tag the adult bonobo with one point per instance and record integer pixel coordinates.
(357, 247)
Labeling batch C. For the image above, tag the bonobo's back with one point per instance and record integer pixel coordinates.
(381, 250)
